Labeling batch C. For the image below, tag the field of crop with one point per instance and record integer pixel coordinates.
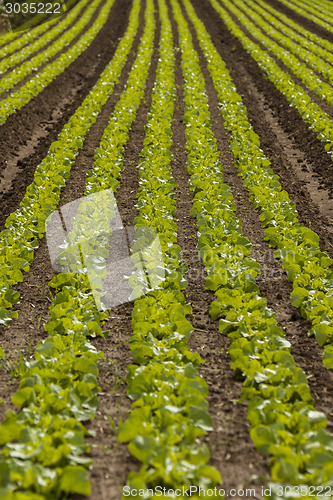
(166, 250)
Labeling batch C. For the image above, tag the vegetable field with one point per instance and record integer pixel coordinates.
(166, 250)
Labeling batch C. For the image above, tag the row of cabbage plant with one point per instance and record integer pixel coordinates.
(321, 42)
(283, 420)
(311, 113)
(308, 77)
(315, 62)
(28, 31)
(305, 38)
(19, 98)
(325, 5)
(24, 226)
(44, 442)
(297, 246)
(29, 49)
(11, 79)
(307, 14)
(169, 412)
(319, 10)
(13, 41)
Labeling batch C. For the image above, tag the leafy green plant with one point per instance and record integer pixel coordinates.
(309, 13)
(284, 423)
(305, 38)
(35, 85)
(15, 368)
(169, 410)
(309, 78)
(24, 226)
(297, 246)
(43, 443)
(13, 40)
(39, 43)
(118, 381)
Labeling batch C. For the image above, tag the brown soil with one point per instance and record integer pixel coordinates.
(317, 99)
(43, 117)
(53, 58)
(303, 21)
(255, 88)
(297, 157)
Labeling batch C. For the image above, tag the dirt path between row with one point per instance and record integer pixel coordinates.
(246, 76)
(26, 136)
(320, 101)
(33, 309)
(303, 21)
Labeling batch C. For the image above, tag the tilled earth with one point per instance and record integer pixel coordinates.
(304, 169)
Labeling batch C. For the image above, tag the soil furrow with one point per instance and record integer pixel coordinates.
(232, 451)
(42, 119)
(318, 100)
(33, 308)
(31, 75)
(273, 282)
(303, 21)
(111, 460)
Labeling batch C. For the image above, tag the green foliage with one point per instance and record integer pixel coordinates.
(10, 80)
(169, 412)
(283, 421)
(36, 84)
(310, 41)
(27, 224)
(43, 443)
(310, 13)
(299, 68)
(297, 246)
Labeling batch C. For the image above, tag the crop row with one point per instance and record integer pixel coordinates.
(298, 246)
(15, 42)
(306, 39)
(38, 44)
(318, 10)
(31, 65)
(301, 70)
(283, 421)
(21, 97)
(310, 112)
(33, 28)
(109, 155)
(325, 4)
(169, 412)
(305, 13)
(321, 42)
(24, 226)
(59, 388)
